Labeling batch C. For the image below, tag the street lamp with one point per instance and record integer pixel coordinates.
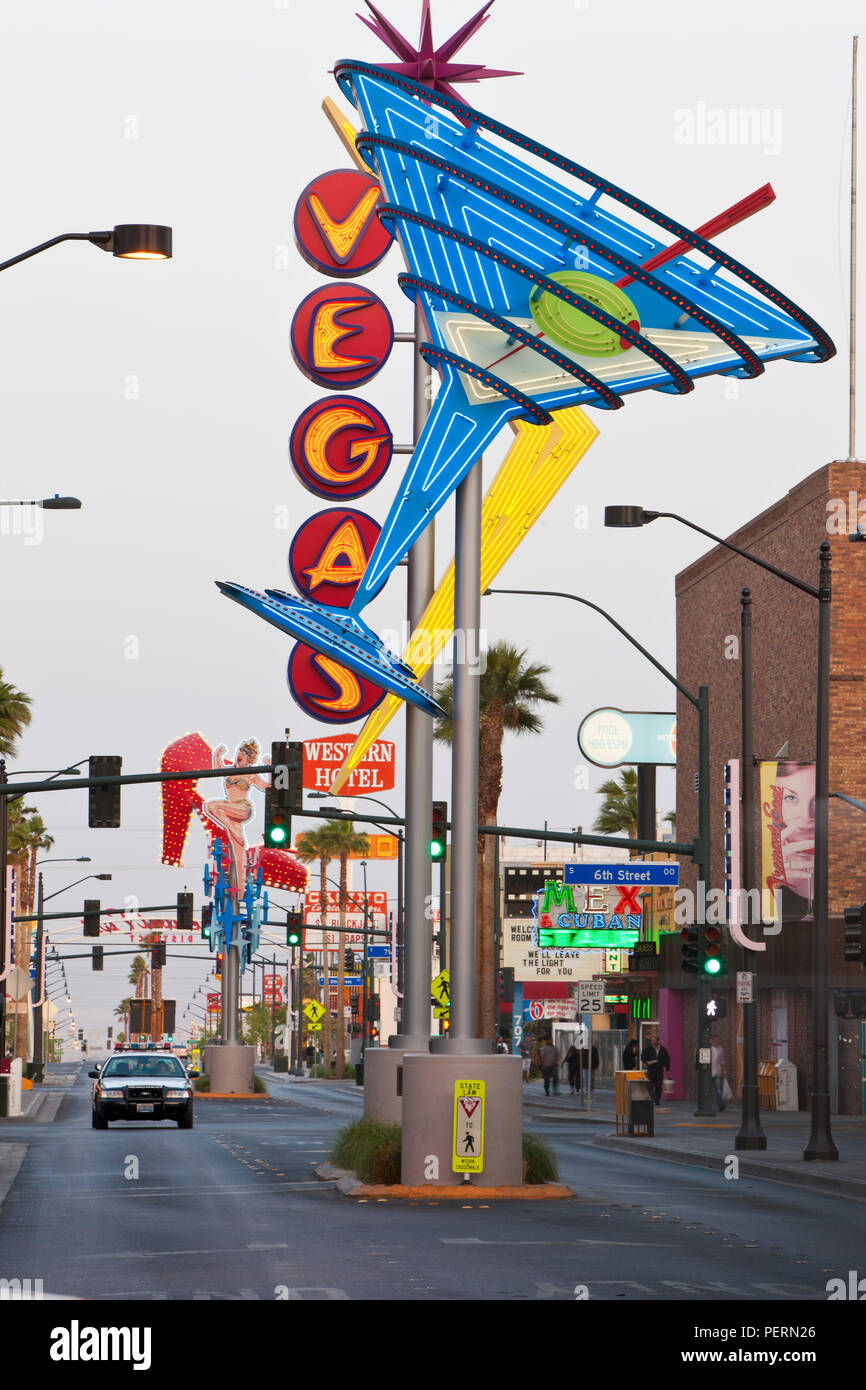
(131, 241)
(39, 983)
(701, 852)
(48, 504)
(820, 1145)
(398, 831)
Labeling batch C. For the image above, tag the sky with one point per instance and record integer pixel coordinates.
(163, 395)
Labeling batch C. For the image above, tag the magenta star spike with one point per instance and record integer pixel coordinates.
(429, 64)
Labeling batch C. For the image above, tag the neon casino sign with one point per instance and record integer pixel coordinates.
(544, 287)
(602, 925)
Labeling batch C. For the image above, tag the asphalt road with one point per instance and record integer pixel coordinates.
(232, 1210)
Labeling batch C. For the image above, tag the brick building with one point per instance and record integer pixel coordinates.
(784, 621)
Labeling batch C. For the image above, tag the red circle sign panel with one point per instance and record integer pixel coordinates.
(327, 690)
(336, 227)
(340, 448)
(342, 336)
(329, 555)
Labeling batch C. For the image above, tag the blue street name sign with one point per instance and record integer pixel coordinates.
(612, 875)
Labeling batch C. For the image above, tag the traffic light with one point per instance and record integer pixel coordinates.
(158, 955)
(96, 957)
(716, 1006)
(506, 985)
(374, 1008)
(349, 959)
(438, 831)
(184, 912)
(855, 933)
(218, 973)
(714, 961)
(285, 793)
(294, 927)
(103, 811)
(91, 916)
(689, 950)
(206, 918)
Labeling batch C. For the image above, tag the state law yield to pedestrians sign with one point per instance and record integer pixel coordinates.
(468, 1156)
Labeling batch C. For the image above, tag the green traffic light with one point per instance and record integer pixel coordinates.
(277, 834)
(712, 966)
(437, 849)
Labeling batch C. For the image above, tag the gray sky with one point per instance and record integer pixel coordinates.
(163, 395)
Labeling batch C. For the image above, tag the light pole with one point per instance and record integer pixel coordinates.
(820, 1145)
(48, 504)
(701, 852)
(131, 241)
(398, 831)
(39, 985)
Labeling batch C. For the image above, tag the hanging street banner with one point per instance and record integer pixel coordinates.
(788, 840)
(375, 772)
(611, 737)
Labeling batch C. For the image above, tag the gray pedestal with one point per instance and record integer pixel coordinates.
(230, 1067)
(382, 1066)
(428, 1118)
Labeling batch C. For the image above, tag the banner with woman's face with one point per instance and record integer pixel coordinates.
(788, 837)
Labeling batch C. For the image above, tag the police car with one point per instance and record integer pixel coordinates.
(142, 1085)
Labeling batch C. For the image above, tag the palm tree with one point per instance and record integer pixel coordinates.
(618, 814)
(510, 688)
(341, 840)
(138, 974)
(122, 1011)
(311, 846)
(27, 836)
(14, 716)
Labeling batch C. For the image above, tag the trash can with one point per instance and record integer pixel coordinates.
(281, 1062)
(359, 1073)
(4, 1093)
(639, 1115)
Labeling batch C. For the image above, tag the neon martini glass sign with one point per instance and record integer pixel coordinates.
(539, 294)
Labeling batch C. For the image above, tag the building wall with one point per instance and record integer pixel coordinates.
(784, 627)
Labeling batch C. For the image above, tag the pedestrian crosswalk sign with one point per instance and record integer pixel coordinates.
(468, 1156)
(440, 989)
(314, 1012)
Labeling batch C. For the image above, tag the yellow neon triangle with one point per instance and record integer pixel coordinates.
(539, 461)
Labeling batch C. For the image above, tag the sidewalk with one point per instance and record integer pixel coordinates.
(710, 1141)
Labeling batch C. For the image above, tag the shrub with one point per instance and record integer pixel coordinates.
(371, 1150)
(259, 1086)
(330, 1073)
(202, 1083)
(540, 1160)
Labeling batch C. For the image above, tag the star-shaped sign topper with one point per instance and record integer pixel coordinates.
(426, 63)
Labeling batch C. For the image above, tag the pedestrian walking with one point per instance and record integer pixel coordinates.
(501, 1045)
(589, 1058)
(550, 1067)
(526, 1059)
(718, 1070)
(654, 1067)
(572, 1062)
(629, 1055)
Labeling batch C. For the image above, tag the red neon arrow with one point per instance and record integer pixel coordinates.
(761, 198)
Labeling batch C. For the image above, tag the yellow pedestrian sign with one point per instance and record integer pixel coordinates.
(314, 1012)
(442, 1013)
(468, 1154)
(440, 990)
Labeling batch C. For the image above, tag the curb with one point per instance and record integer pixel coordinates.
(11, 1158)
(841, 1187)
(231, 1095)
(351, 1186)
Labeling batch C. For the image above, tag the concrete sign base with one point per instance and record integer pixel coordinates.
(230, 1068)
(428, 1118)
